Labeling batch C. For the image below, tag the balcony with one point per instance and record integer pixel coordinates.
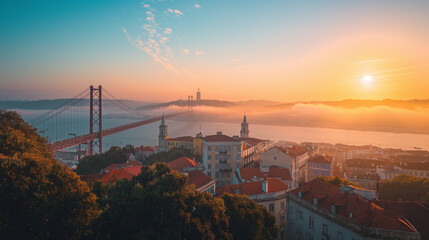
(222, 160)
(225, 170)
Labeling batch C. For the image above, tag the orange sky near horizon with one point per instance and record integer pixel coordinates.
(280, 51)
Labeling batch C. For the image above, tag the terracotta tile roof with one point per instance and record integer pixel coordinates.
(183, 139)
(91, 177)
(198, 178)
(319, 159)
(252, 188)
(252, 141)
(181, 163)
(417, 166)
(364, 212)
(144, 149)
(121, 173)
(130, 163)
(282, 149)
(274, 172)
(296, 151)
(415, 212)
(219, 138)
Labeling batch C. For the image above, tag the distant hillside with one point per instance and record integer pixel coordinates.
(352, 103)
(138, 105)
(49, 104)
(183, 103)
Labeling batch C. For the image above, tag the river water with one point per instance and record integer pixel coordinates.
(148, 134)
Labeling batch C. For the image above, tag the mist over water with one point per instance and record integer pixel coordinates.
(210, 120)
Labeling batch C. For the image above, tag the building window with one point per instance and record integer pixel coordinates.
(325, 229)
(282, 221)
(228, 157)
(209, 148)
(217, 148)
(238, 148)
(217, 157)
(339, 235)
(229, 148)
(209, 157)
(300, 194)
(238, 165)
(301, 216)
(333, 209)
(291, 211)
(282, 204)
(311, 222)
(217, 174)
(209, 174)
(315, 201)
(209, 166)
(217, 165)
(272, 207)
(238, 156)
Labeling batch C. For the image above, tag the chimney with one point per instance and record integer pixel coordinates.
(219, 133)
(265, 185)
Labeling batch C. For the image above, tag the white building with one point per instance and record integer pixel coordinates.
(294, 158)
(318, 165)
(221, 156)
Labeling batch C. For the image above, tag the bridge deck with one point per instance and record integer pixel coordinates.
(63, 144)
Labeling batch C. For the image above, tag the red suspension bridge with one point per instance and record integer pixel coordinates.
(96, 105)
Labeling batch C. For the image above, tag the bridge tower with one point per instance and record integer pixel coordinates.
(96, 119)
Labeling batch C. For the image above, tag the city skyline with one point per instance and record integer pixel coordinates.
(165, 50)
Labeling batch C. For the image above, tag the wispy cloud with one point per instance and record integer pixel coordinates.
(198, 53)
(175, 11)
(185, 51)
(152, 41)
(168, 31)
(197, 5)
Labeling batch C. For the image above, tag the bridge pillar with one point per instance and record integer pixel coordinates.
(96, 119)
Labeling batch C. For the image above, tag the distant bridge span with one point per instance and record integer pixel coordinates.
(63, 144)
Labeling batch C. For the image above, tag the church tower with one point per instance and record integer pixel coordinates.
(244, 133)
(162, 139)
(198, 95)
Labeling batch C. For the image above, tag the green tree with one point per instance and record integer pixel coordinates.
(40, 198)
(337, 181)
(404, 187)
(93, 164)
(171, 155)
(249, 220)
(157, 204)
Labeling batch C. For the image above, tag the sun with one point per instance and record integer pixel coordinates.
(367, 79)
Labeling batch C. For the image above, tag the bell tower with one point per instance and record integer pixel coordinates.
(244, 133)
(162, 139)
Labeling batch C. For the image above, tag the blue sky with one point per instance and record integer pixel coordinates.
(227, 48)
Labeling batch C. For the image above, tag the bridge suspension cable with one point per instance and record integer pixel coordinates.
(60, 109)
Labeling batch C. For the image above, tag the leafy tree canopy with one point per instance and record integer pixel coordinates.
(171, 155)
(157, 204)
(93, 164)
(337, 181)
(249, 220)
(404, 187)
(40, 198)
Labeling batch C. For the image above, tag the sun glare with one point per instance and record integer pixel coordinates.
(367, 79)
